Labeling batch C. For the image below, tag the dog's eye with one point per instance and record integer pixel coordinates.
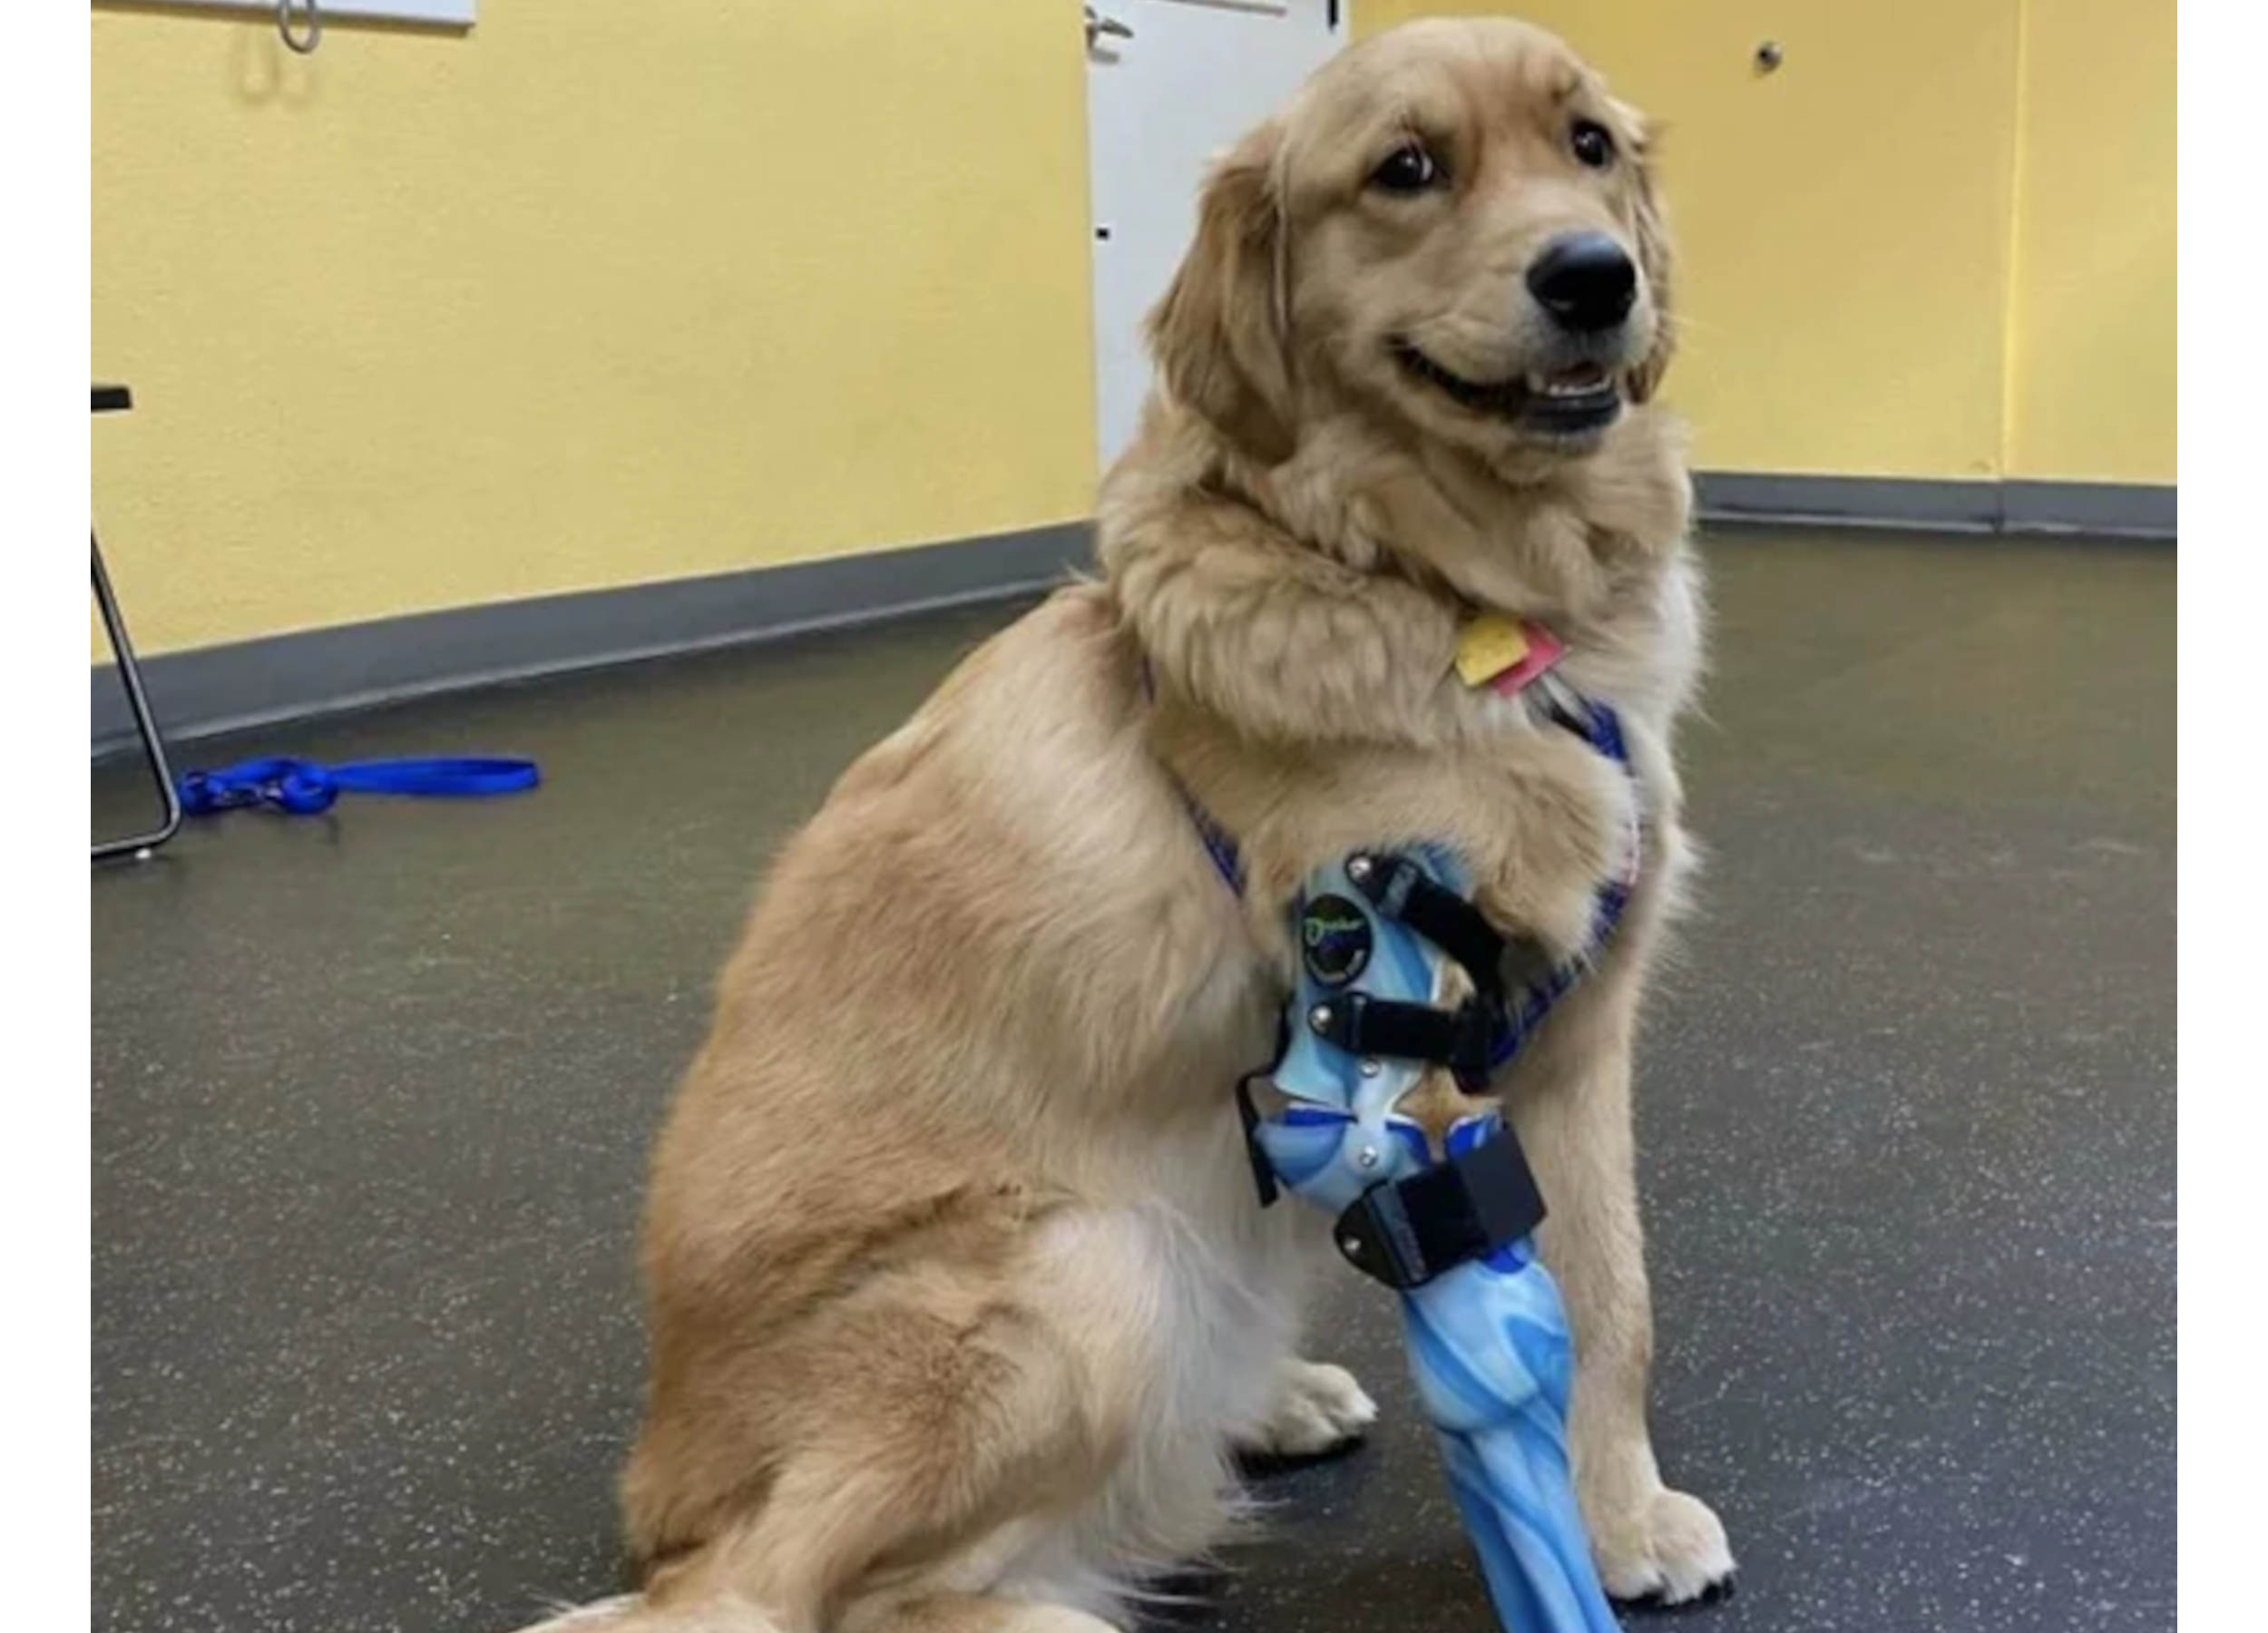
(1406, 169)
(1592, 143)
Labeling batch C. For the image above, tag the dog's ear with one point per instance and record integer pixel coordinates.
(1219, 334)
(1654, 255)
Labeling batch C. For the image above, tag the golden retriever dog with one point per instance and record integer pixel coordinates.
(962, 1303)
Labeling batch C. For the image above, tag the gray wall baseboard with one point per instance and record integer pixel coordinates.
(2128, 509)
(291, 677)
(2125, 509)
(1846, 501)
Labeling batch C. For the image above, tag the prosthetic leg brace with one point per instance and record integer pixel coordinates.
(1450, 1230)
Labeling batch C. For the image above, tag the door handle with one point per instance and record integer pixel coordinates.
(1099, 26)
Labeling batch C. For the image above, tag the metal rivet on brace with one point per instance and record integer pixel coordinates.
(1350, 1247)
(1319, 1017)
(1370, 1068)
(1358, 868)
(1367, 1158)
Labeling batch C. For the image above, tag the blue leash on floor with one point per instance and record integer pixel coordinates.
(304, 788)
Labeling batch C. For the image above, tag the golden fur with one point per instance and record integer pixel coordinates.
(961, 1299)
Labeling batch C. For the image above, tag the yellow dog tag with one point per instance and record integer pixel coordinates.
(1487, 646)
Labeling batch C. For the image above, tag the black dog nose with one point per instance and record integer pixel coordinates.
(1585, 281)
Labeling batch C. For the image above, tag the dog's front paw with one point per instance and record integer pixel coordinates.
(1318, 1408)
(1666, 1549)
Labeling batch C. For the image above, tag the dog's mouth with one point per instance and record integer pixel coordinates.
(1566, 402)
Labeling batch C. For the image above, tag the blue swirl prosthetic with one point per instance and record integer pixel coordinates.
(1449, 1228)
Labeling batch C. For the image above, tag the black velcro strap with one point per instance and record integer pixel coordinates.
(1459, 1039)
(1400, 889)
(1408, 1232)
(1263, 1170)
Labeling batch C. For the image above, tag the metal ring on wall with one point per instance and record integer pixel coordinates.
(303, 43)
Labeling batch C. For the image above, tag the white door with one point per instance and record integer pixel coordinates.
(1169, 84)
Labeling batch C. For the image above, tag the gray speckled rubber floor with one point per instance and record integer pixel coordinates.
(371, 1096)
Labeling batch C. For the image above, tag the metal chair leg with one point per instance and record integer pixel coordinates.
(145, 723)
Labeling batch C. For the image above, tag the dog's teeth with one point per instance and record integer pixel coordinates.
(1580, 383)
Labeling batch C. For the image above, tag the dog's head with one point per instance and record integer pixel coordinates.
(1454, 227)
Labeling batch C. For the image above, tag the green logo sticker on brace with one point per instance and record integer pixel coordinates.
(1334, 940)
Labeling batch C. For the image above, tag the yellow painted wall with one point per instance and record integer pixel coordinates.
(1937, 242)
(605, 292)
(1844, 220)
(2091, 384)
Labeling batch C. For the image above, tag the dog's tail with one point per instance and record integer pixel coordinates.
(631, 1613)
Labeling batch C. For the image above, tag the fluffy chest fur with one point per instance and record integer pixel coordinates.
(1301, 622)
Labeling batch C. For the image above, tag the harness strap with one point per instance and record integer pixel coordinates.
(1477, 1202)
(1227, 860)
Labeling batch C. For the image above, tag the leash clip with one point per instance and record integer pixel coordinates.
(299, 788)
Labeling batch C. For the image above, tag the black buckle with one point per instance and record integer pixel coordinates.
(1406, 1233)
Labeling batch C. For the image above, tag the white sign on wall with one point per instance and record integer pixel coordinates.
(451, 13)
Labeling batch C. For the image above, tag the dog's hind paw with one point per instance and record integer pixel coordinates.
(1318, 1408)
